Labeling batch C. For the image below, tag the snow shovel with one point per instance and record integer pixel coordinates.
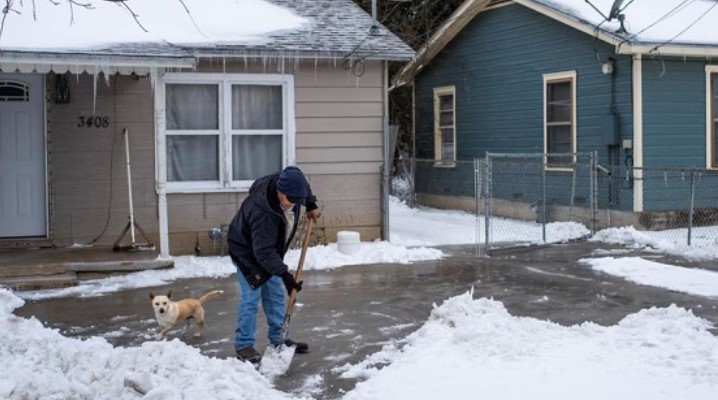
(276, 360)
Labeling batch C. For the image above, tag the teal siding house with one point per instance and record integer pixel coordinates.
(635, 81)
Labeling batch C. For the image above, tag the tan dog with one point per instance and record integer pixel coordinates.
(168, 313)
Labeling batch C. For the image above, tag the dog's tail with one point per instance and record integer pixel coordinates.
(210, 295)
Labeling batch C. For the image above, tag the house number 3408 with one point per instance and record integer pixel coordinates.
(93, 121)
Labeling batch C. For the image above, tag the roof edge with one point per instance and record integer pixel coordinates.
(446, 32)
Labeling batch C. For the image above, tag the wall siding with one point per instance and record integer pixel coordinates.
(674, 108)
(339, 146)
(497, 65)
(87, 164)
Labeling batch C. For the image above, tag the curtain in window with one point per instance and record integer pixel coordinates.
(192, 158)
(254, 156)
(256, 107)
(192, 107)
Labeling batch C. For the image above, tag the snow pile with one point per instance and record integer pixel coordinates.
(476, 346)
(635, 269)
(41, 363)
(703, 247)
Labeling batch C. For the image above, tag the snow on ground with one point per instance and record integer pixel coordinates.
(704, 243)
(475, 348)
(468, 346)
(39, 362)
(426, 226)
(635, 269)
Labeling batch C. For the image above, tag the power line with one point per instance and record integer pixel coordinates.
(687, 28)
(670, 13)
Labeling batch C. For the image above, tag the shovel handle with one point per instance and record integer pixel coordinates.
(300, 267)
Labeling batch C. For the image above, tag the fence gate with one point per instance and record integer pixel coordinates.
(537, 198)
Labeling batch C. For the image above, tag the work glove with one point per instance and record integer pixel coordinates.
(290, 283)
(314, 214)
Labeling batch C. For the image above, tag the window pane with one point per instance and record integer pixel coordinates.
(192, 106)
(446, 118)
(192, 158)
(254, 156)
(256, 107)
(715, 143)
(559, 102)
(559, 139)
(447, 144)
(12, 91)
(446, 102)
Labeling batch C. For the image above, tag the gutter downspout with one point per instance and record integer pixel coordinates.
(637, 133)
(386, 175)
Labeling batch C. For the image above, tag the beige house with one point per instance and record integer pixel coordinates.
(202, 120)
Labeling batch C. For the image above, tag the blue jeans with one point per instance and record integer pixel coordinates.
(272, 295)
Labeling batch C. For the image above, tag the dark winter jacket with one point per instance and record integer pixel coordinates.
(257, 235)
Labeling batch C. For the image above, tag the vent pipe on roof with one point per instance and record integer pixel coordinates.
(374, 21)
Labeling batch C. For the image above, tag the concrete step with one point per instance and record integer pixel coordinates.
(38, 282)
(50, 276)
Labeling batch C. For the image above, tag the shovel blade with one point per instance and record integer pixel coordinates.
(276, 360)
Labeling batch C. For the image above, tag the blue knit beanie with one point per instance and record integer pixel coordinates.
(293, 184)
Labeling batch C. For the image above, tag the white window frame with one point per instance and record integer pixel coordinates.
(225, 131)
(548, 79)
(711, 135)
(443, 91)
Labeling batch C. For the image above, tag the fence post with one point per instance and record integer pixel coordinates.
(594, 189)
(690, 211)
(487, 201)
(477, 199)
(412, 195)
(543, 197)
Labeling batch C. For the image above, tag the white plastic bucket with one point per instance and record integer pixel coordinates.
(348, 242)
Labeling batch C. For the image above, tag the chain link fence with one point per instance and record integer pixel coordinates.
(677, 205)
(537, 198)
(524, 199)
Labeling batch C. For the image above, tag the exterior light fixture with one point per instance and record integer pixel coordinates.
(607, 67)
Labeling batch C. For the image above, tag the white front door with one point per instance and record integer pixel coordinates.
(22, 156)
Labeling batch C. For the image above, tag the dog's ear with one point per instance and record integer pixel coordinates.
(169, 294)
(152, 296)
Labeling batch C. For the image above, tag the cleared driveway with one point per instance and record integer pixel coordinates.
(348, 313)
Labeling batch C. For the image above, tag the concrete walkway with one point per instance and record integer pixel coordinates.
(349, 313)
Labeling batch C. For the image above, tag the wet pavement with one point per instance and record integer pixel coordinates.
(349, 313)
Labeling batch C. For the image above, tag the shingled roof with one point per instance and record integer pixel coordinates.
(338, 28)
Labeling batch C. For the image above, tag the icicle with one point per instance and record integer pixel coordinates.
(316, 66)
(94, 87)
(153, 77)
